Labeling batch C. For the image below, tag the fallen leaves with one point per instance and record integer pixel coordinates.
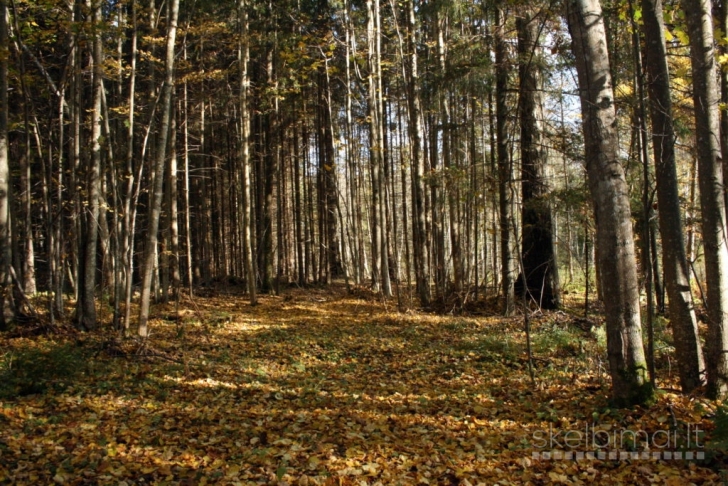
(325, 390)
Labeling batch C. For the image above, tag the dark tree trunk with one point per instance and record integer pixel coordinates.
(539, 272)
(7, 306)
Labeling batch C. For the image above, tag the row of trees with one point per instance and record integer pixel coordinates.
(433, 146)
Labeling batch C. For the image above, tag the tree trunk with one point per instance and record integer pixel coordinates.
(375, 144)
(674, 258)
(159, 166)
(29, 285)
(172, 207)
(539, 272)
(421, 244)
(244, 156)
(608, 187)
(7, 305)
(85, 317)
(722, 24)
(712, 196)
(450, 182)
(505, 168)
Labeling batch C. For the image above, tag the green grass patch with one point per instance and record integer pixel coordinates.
(29, 369)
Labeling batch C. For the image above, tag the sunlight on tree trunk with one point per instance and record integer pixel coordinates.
(675, 259)
(159, 166)
(712, 195)
(608, 187)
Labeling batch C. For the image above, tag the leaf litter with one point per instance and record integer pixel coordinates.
(318, 388)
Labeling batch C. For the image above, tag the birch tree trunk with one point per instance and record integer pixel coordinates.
(505, 168)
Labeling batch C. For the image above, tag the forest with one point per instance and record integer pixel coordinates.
(363, 241)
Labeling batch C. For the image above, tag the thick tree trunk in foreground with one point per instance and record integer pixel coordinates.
(674, 259)
(608, 188)
(712, 197)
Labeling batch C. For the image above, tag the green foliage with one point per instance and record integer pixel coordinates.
(496, 347)
(601, 335)
(719, 437)
(29, 370)
(557, 341)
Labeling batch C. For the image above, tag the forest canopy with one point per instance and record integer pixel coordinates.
(452, 155)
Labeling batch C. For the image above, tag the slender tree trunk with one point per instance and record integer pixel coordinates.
(450, 179)
(384, 220)
(505, 168)
(244, 156)
(608, 187)
(127, 224)
(28, 268)
(298, 208)
(475, 197)
(353, 228)
(7, 304)
(85, 317)
(639, 131)
(188, 217)
(421, 244)
(159, 166)
(172, 207)
(375, 144)
(674, 258)
(494, 194)
(331, 184)
(266, 179)
(712, 196)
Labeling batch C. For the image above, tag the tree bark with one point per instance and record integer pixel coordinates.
(7, 305)
(421, 244)
(244, 156)
(539, 272)
(608, 187)
(85, 317)
(159, 166)
(712, 196)
(674, 258)
(505, 167)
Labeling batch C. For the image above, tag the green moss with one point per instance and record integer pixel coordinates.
(638, 389)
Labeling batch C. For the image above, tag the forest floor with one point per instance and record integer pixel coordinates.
(321, 386)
